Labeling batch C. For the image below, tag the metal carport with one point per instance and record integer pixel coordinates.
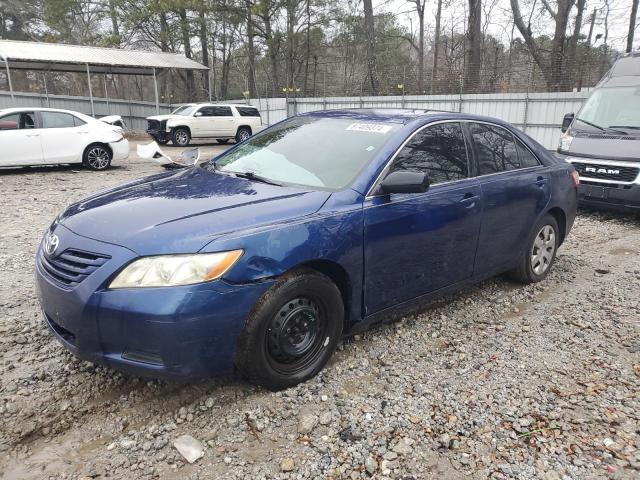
(56, 57)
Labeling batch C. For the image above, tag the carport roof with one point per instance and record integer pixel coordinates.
(75, 58)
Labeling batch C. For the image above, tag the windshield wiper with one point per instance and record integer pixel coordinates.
(602, 129)
(633, 127)
(256, 178)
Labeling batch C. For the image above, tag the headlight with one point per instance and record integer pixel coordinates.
(565, 142)
(172, 270)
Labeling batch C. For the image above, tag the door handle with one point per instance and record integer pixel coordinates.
(540, 181)
(84, 131)
(33, 135)
(469, 199)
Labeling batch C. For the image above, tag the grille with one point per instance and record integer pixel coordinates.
(153, 125)
(72, 266)
(606, 172)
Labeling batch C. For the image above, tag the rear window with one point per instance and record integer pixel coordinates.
(59, 120)
(248, 112)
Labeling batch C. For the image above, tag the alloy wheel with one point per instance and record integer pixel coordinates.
(244, 134)
(544, 246)
(98, 158)
(182, 138)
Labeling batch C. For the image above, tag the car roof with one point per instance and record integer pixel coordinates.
(398, 115)
(38, 109)
(218, 105)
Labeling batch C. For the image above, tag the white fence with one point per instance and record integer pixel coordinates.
(537, 114)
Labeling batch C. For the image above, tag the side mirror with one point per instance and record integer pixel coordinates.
(404, 181)
(566, 121)
(197, 114)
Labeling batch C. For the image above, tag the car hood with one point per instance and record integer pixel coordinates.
(618, 147)
(164, 117)
(180, 212)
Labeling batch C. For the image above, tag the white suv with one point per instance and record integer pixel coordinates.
(205, 120)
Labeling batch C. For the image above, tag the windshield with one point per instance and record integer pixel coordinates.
(617, 107)
(327, 153)
(183, 110)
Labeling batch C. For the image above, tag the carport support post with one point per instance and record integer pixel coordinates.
(155, 90)
(93, 112)
(6, 66)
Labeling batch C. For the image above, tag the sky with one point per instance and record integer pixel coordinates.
(500, 24)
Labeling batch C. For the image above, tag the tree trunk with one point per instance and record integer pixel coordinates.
(186, 42)
(371, 47)
(632, 25)
(436, 49)
(308, 47)
(473, 56)
(204, 42)
(555, 82)
(251, 52)
(571, 72)
(291, 7)
(420, 8)
(115, 30)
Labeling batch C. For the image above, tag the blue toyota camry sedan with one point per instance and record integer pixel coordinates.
(325, 224)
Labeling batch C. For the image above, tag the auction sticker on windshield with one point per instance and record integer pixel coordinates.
(369, 127)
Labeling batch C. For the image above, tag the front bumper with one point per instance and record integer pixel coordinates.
(617, 197)
(175, 333)
(120, 149)
(159, 135)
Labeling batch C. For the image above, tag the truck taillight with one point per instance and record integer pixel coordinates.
(575, 178)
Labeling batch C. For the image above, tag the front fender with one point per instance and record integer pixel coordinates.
(333, 234)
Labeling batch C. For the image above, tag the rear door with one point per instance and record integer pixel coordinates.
(420, 242)
(64, 137)
(515, 190)
(20, 141)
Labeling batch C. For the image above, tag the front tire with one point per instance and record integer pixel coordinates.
(243, 134)
(180, 137)
(541, 251)
(292, 330)
(97, 156)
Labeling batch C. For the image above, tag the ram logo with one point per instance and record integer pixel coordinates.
(606, 171)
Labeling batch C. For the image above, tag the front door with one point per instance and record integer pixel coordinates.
(20, 142)
(515, 190)
(420, 243)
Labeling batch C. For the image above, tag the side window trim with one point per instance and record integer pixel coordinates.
(385, 170)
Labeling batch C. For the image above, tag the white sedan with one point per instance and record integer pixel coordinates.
(46, 136)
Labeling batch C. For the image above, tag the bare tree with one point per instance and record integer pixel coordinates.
(420, 7)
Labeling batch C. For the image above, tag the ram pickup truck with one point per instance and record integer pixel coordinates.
(602, 140)
(221, 122)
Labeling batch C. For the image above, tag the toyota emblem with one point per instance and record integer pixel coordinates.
(51, 243)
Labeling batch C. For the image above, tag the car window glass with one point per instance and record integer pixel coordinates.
(57, 120)
(247, 112)
(495, 148)
(10, 122)
(527, 159)
(438, 150)
(221, 112)
(77, 122)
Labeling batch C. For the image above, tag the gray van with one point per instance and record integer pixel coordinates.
(602, 140)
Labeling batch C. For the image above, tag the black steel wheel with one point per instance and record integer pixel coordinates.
(292, 331)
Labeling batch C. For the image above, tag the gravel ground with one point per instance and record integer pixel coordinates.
(499, 381)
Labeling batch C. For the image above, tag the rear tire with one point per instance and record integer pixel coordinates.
(292, 330)
(540, 254)
(243, 134)
(97, 156)
(180, 137)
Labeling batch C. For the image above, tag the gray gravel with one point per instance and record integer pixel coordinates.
(500, 381)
